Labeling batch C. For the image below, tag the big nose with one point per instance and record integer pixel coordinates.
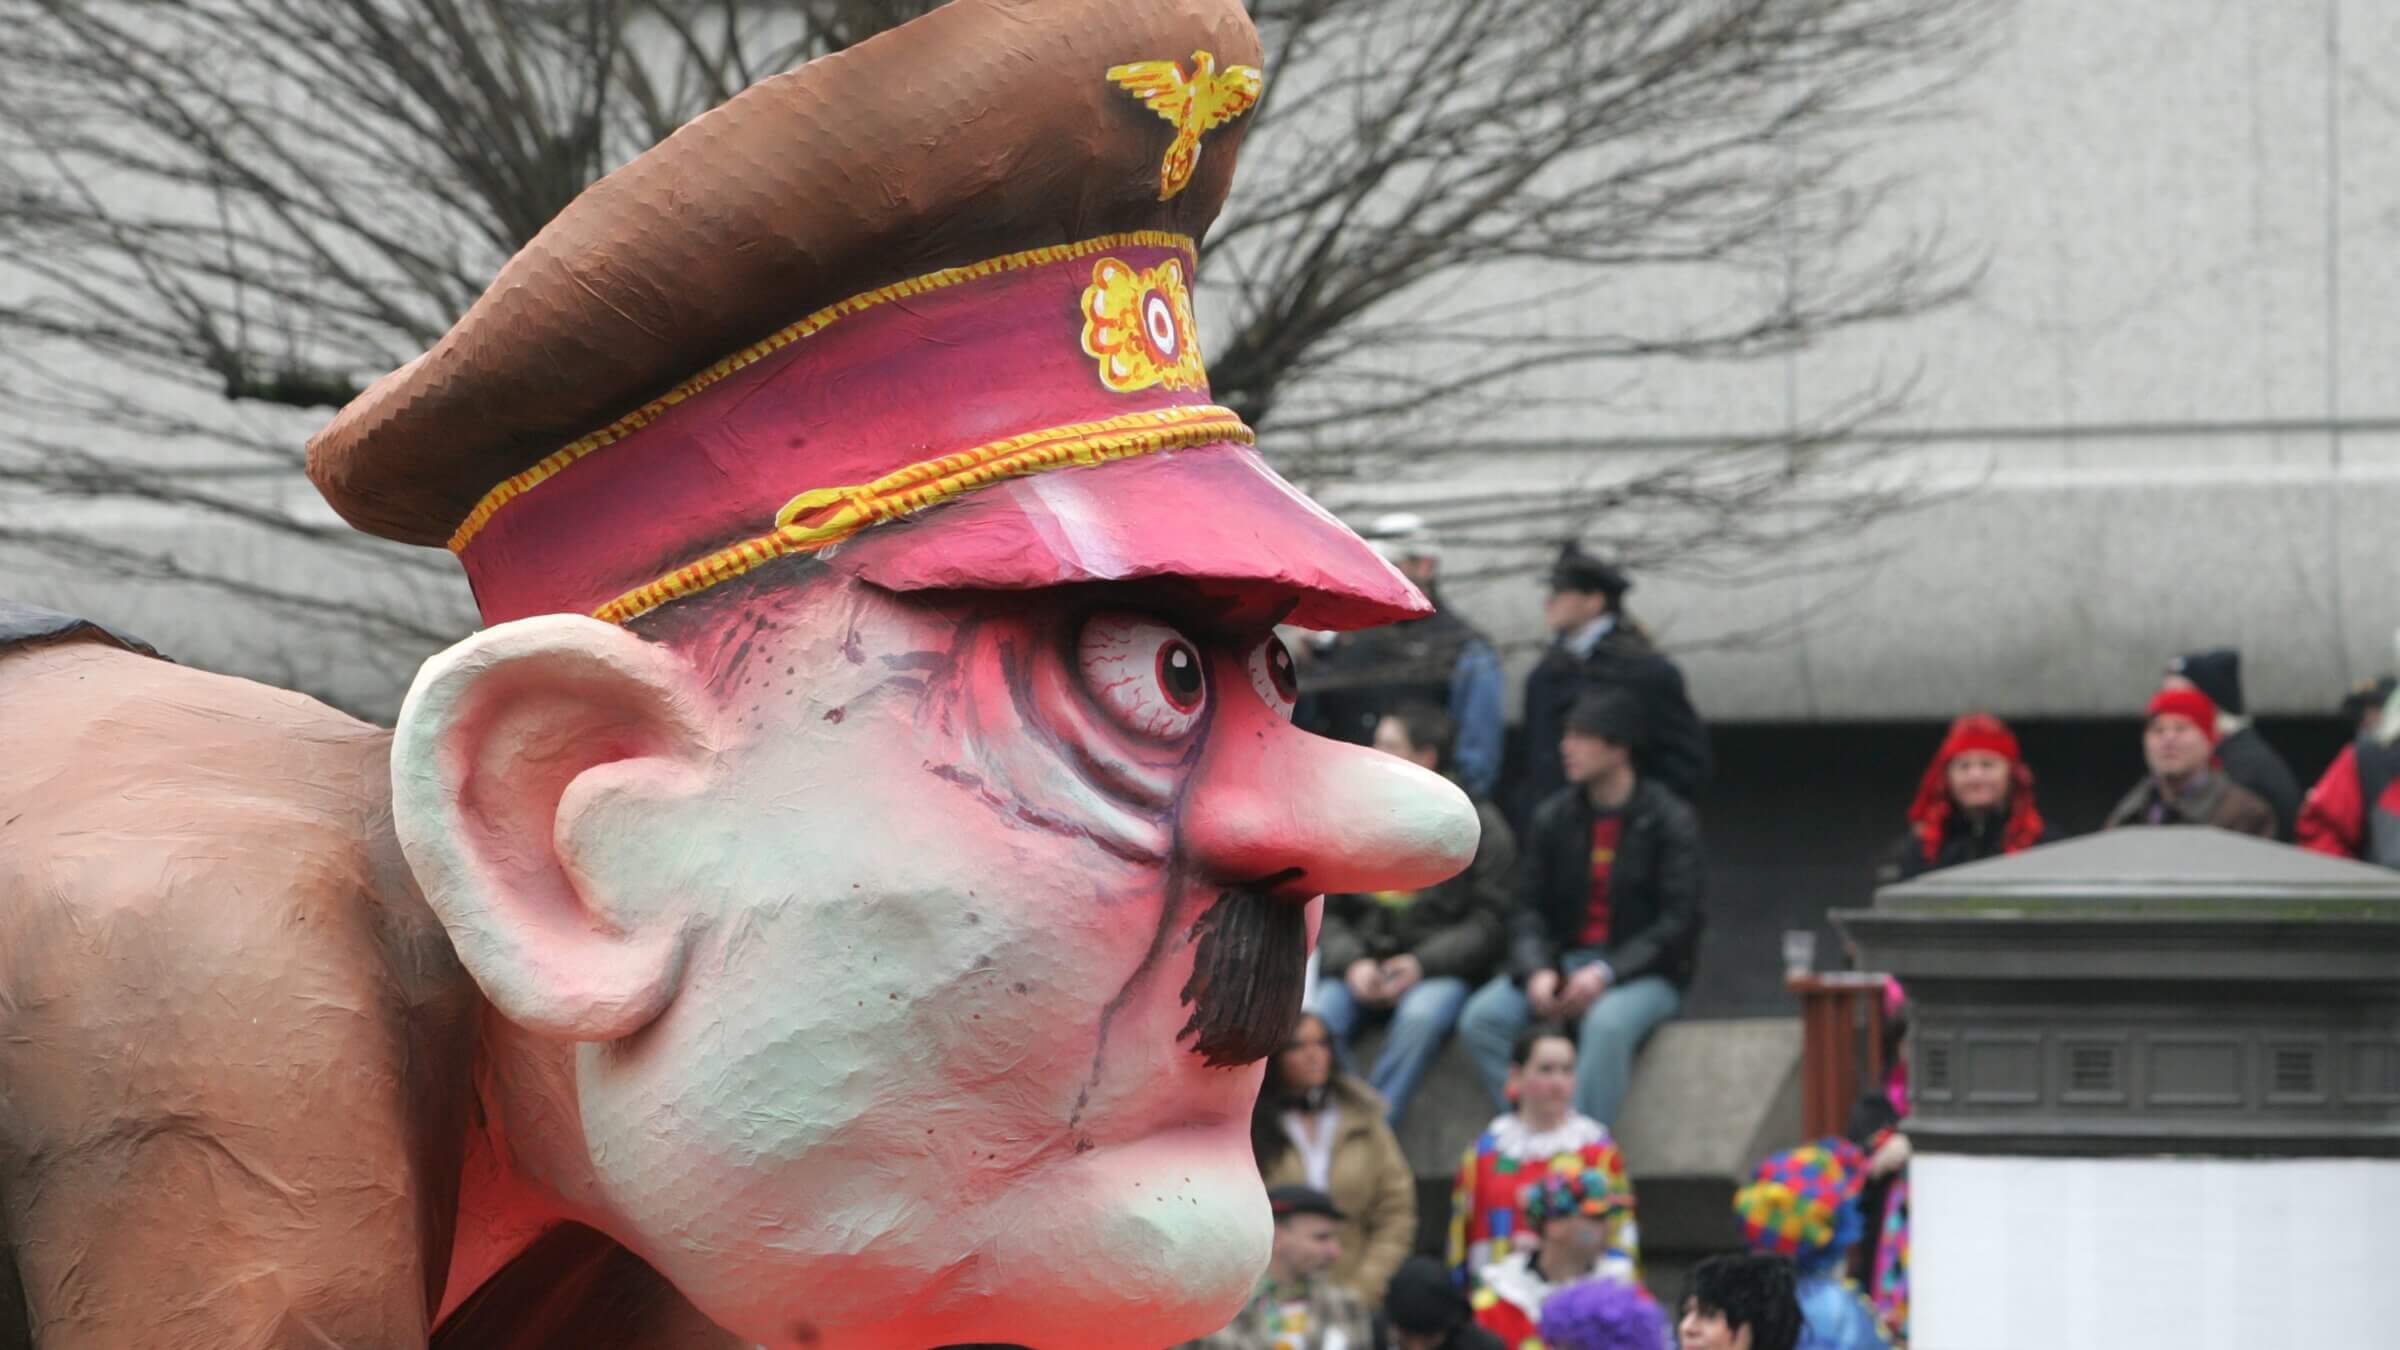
(1270, 801)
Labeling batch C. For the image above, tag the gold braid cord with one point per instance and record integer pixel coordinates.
(826, 516)
(518, 485)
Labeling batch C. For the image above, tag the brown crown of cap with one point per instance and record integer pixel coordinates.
(985, 127)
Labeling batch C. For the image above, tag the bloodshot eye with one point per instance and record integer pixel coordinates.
(1274, 676)
(1148, 676)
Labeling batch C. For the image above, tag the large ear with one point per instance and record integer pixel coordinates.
(535, 769)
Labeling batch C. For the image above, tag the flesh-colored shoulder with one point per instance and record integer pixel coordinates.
(233, 1043)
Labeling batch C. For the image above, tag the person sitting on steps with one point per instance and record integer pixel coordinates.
(1609, 895)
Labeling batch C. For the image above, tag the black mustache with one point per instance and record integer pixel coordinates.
(1249, 976)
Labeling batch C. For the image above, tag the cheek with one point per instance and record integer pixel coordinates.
(912, 925)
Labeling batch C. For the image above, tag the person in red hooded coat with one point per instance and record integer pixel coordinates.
(1975, 801)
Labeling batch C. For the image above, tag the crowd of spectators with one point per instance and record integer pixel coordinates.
(1553, 962)
(1584, 903)
(1573, 936)
(2205, 762)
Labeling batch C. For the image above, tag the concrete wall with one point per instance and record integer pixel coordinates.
(2192, 1253)
(2053, 579)
(2170, 411)
(2171, 405)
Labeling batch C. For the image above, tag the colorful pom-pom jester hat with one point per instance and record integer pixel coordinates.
(1803, 1202)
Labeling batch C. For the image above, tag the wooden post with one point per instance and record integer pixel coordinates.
(1836, 1008)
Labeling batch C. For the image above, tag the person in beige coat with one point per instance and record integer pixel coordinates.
(1315, 1126)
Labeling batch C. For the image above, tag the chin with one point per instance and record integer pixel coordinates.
(1152, 1242)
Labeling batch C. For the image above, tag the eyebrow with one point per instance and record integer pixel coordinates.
(1183, 602)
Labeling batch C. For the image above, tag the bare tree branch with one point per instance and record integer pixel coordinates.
(1454, 226)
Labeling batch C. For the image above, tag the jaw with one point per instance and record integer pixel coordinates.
(914, 1239)
(1168, 1234)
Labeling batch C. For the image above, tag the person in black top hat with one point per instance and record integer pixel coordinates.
(1597, 644)
(2249, 761)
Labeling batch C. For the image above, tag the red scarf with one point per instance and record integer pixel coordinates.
(1929, 815)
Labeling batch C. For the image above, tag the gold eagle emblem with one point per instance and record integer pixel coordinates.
(1194, 105)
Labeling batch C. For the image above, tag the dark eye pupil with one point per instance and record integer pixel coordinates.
(1280, 671)
(1179, 675)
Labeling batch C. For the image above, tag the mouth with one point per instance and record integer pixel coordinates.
(1248, 975)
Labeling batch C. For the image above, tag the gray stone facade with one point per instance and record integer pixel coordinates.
(2151, 991)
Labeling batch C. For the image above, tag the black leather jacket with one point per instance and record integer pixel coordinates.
(1656, 887)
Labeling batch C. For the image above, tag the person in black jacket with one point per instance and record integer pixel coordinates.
(1598, 645)
(1414, 956)
(1608, 912)
(2249, 761)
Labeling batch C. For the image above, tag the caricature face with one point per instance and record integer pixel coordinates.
(931, 1073)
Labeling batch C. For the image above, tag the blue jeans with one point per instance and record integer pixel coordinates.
(1611, 1030)
(1421, 1021)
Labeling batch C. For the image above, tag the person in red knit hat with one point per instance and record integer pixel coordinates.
(1974, 802)
(2185, 785)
